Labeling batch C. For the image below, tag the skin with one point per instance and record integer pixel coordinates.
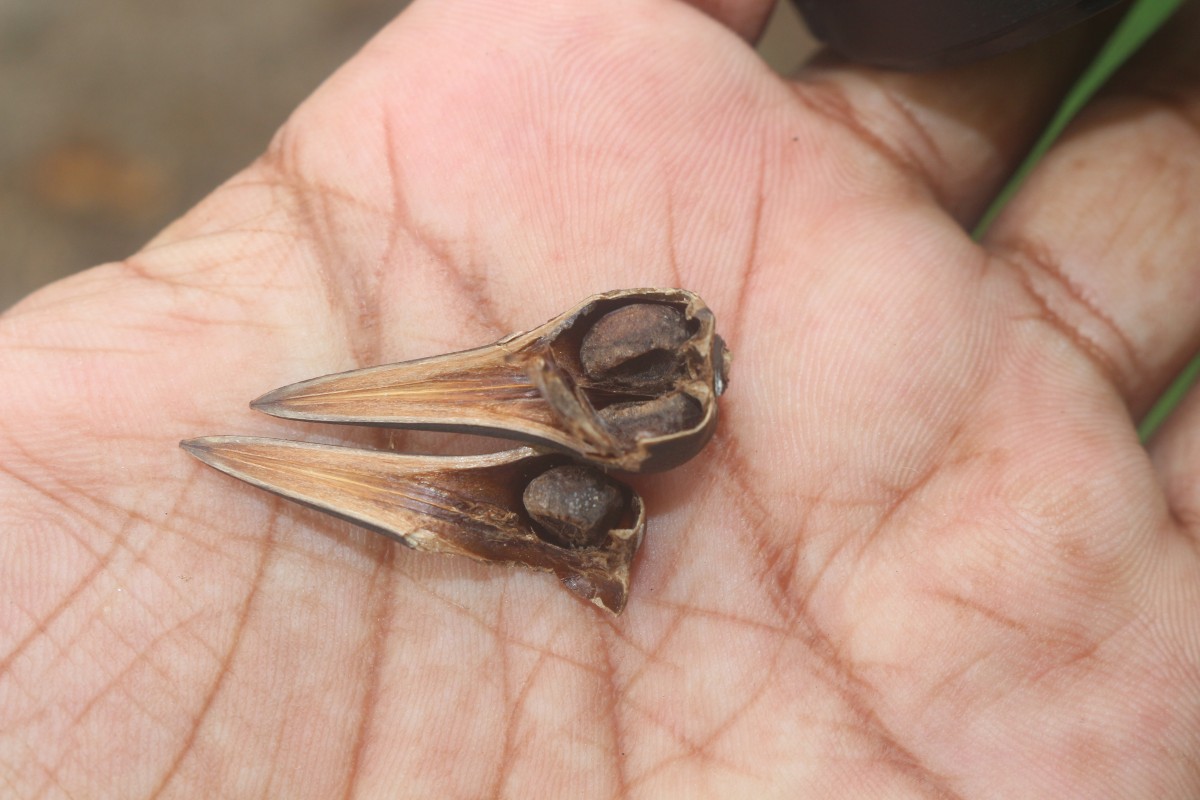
(925, 555)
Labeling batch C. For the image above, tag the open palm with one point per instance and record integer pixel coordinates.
(925, 554)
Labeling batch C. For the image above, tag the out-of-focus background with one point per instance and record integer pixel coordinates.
(118, 115)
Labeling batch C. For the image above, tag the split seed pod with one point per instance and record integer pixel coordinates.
(527, 507)
(626, 380)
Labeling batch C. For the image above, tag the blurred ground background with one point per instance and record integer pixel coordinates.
(118, 115)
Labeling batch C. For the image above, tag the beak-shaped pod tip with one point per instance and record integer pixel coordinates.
(286, 401)
(266, 402)
(200, 448)
(223, 453)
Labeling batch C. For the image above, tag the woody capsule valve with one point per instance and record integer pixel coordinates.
(625, 380)
(456, 505)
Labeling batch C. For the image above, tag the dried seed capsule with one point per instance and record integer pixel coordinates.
(661, 416)
(575, 505)
(460, 505)
(566, 384)
(636, 347)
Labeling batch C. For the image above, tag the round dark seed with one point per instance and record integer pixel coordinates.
(636, 346)
(662, 416)
(575, 506)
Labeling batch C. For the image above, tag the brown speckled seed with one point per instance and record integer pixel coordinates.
(575, 505)
(636, 347)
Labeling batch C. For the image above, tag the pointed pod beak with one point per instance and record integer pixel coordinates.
(345, 482)
(461, 388)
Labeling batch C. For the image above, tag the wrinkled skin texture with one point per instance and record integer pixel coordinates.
(925, 555)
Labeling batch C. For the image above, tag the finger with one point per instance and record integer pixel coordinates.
(955, 133)
(1103, 235)
(746, 18)
(1176, 454)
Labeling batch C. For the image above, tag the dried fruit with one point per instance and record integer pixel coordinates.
(652, 356)
(459, 505)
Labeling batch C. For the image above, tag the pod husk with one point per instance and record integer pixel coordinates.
(528, 386)
(454, 505)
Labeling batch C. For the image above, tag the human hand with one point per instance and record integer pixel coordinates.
(924, 556)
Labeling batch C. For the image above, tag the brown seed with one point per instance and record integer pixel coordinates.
(635, 347)
(576, 506)
(651, 418)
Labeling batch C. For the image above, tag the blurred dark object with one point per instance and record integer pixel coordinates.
(119, 116)
(923, 34)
